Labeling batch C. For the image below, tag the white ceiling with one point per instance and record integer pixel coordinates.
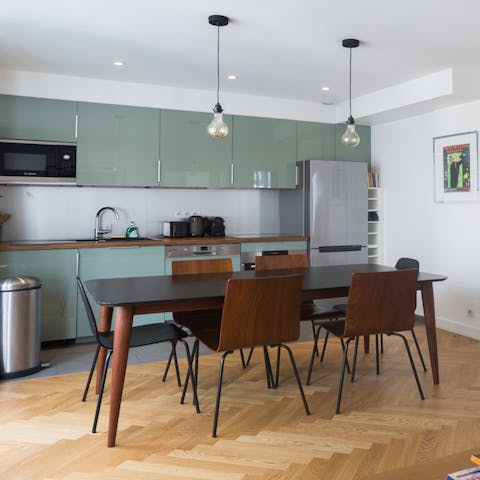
(278, 48)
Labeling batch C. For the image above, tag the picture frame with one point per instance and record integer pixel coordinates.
(455, 159)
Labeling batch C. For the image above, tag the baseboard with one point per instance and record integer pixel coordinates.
(458, 327)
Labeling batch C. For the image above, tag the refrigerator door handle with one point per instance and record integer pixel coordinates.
(340, 248)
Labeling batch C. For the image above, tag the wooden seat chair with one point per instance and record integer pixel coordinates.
(142, 335)
(256, 312)
(403, 263)
(311, 311)
(378, 303)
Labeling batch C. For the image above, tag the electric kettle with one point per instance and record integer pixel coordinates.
(196, 226)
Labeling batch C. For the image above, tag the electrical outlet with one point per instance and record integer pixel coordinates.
(178, 214)
(470, 313)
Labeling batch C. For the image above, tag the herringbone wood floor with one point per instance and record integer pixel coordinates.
(385, 430)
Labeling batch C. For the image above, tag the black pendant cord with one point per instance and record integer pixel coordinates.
(218, 64)
(350, 89)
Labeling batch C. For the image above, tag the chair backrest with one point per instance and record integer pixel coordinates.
(279, 262)
(210, 265)
(261, 311)
(405, 263)
(88, 309)
(381, 302)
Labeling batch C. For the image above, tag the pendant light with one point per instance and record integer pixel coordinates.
(350, 137)
(217, 128)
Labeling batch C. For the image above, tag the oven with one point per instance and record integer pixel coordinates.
(247, 259)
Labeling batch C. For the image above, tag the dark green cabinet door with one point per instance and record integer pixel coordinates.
(27, 118)
(117, 145)
(118, 262)
(56, 271)
(315, 141)
(264, 145)
(362, 153)
(189, 157)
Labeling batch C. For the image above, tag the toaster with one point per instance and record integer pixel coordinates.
(176, 229)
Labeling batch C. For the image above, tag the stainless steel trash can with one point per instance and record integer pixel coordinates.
(19, 326)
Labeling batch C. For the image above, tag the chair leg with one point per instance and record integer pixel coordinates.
(418, 350)
(315, 345)
(172, 356)
(316, 334)
(191, 374)
(194, 371)
(277, 372)
(343, 348)
(90, 375)
(100, 393)
(414, 370)
(377, 357)
(268, 368)
(342, 375)
(250, 356)
(244, 364)
(297, 376)
(219, 392)
(324, 343)
(354, 366)
(381, 343)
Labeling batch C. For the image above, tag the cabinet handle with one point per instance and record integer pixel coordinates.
(159, 174)
(77, 265)
(232, 172)
(76, 126)
(296, 176)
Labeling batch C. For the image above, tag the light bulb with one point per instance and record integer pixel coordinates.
(350, 137)
(217, 128)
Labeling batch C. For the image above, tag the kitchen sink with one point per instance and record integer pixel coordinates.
(113, 239)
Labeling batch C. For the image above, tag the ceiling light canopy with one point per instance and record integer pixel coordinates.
(350, 137)
(217, 128)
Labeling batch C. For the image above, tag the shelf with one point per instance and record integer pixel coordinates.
(373, 221)
(373, 256)
(372, 246)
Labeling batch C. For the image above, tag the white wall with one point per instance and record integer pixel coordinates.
(445, 238)
(42, 212)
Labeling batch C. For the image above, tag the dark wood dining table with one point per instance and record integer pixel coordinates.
(144, 295)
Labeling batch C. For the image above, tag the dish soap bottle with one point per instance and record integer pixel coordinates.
(132, 231)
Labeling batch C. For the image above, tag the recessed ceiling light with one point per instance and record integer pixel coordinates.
(325, 89)
(232, 77)
(119, 63)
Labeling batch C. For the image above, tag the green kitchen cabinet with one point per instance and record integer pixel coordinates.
(118, 145)
(315, 141)
(362, 153)
(27, 118)
(56, 271)
(264, 152)
(189, 157)
(118, 262)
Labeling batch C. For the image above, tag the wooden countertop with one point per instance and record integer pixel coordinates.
(73, 244)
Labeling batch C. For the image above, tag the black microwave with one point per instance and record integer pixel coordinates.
(24, 162)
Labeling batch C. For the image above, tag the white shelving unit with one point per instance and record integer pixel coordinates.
(375, 225)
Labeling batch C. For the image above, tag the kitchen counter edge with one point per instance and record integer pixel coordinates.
(72, 244)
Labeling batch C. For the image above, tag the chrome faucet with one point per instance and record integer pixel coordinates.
(101, 233)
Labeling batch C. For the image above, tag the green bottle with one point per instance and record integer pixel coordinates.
(132, 231)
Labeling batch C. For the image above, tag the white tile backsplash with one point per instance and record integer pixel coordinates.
(53, 212)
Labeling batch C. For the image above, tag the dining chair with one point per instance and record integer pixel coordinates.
(260, 311)
(403, 263)
(378, 303)
(141, 335)
(311, 311)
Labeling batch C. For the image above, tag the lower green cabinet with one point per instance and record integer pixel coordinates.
(56, 271)
(118, 262)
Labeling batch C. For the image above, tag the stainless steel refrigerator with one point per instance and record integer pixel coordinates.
(330, 206)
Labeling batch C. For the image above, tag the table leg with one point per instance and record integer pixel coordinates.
(366, 343)
(430, 327)
(104, 325)
(121, 344)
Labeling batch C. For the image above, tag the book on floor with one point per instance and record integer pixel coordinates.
(467, 474)
(475, 458)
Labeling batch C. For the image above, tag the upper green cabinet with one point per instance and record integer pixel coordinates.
(361, 153)
(264, 152)
(189, 157)
(315, 141)
(118, 145)
(26, 118)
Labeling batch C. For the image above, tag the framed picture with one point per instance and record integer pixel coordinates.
(456, 167)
